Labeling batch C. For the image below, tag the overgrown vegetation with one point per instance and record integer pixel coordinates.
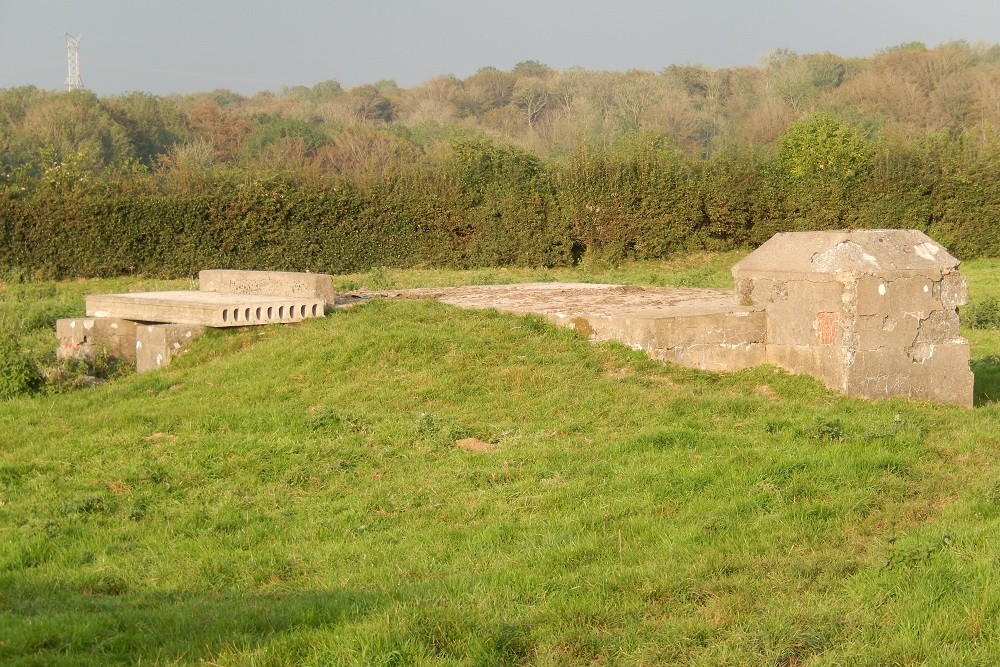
(295, 495)
(531, 167)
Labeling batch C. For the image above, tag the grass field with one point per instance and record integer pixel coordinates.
(295, 495)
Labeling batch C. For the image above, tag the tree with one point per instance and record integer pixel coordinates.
(270, 129)
(76, 122)
(367, 103)
(824, 147)
(153, 124)
(531, 96)
(489, 88)
(532, 68)
(224, 128)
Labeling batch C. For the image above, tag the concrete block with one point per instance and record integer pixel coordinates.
(156, 344)
(83, 337)
(268, 283)
(854, 252)
(209, 309)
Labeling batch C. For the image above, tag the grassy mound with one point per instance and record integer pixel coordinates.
(302, 495)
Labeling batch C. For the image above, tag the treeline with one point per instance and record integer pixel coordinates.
(530, 166)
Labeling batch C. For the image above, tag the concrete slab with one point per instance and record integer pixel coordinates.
(209, 309)
(870, 312)
(268, 283)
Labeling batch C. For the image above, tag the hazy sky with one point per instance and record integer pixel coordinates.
(178, 46)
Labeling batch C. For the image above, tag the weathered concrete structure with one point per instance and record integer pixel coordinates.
(870, 313)
(700, 328)
(150, 328)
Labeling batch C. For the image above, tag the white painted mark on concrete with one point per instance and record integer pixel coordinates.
(159, 359)
(72, 325)
(881, 289)
(927, 250)
(927, 288)
(138, 344)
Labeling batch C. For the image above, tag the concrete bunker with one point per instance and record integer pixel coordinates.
(871, 313)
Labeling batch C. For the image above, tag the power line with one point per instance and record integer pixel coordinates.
(204, 75)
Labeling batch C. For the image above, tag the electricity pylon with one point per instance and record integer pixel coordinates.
(73, 81)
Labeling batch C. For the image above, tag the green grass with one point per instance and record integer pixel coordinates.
(293, 495)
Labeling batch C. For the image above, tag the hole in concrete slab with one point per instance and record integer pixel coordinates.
(269, 312)
(302, 310)
(236, 314)
(225, 315)
(257, 315)
(246, 314)
(281, 312)
(314, 310)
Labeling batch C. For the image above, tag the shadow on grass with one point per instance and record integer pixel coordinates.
(48, 625)
(987, 384)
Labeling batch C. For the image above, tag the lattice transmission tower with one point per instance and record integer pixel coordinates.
(73, 81)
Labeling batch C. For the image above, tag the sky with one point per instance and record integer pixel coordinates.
(183, 46)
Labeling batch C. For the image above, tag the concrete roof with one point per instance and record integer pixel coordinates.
(581, 299)
(860, 251)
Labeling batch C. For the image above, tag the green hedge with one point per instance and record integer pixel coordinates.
(489, 204)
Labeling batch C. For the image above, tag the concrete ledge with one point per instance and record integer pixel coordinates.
(268, 283)
(208, 309)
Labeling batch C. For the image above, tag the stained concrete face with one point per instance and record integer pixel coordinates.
(86, 337)
(157, 344)
(268, 283)
(872, 313)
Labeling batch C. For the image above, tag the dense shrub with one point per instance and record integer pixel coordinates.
(18, 373)
(984, 314)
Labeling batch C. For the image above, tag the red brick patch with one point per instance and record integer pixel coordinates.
(826, 328)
